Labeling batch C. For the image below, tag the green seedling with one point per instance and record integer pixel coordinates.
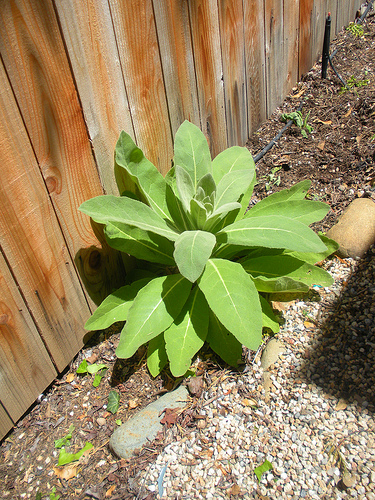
(65, 441)
(205, 266)
(96, 368)
(53, 495)
(273, 179)
(67, 458)
(356, 29)
(302, 123)
(352, 84)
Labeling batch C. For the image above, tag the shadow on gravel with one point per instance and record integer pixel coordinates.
(343, 361)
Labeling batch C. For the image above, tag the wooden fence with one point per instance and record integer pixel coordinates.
(73, 74)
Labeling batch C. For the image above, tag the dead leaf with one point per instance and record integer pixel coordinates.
(249, 402)
(70, 377)
(93, 358)
(67, 472)
(296, 96)
(170, 417)
(233, 490)
(348, 113)
(329, 122)
(321, 145)
(358, 139)
(133, 403)
(195, 386)
(110, 491)
(308, 324)
(341, 405)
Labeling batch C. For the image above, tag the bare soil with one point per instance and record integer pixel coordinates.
(338, 156)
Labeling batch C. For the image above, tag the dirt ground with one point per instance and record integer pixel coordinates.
(338, 156)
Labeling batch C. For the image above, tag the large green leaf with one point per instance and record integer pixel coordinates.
(115, 307)
(231, 159)
(223, 342)
(109, 208)
(185, 187)
(192, 250)
(296, 192)
(232, 185)
(191, 151)
(269, 318)
(179, 215)
(140, 243)
(156, 355)
(304, 211)
(278, 273)
(221, 217)
(156, 306)
(313, 258)
(131, 164)
(187, 333)
(272, 232)
(233, 298)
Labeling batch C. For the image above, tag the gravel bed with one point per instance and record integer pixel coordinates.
(315, 424)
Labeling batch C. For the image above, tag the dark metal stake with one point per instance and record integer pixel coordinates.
(327, 38)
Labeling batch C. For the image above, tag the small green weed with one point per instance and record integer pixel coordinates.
(97, 369)
(296, 117)
(355, 29)
(352, 84)
(273, 179)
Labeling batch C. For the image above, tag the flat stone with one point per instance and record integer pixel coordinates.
(271, 353)
(355, 229)
(145, 425)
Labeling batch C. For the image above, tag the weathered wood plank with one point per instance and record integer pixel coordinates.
(25, 366)
(275, 63)
(233, 55)
(36, 63)
(317, 29)
(137, 41)
(91, 44)
(291, 43)
(305, 35)
(32, 242)
(255, 63)
(174, 35)
(204, 22)
(6, 423)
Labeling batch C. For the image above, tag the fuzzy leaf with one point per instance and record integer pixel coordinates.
(304, 211)
(139, 243)
(187, 333)
(207, 184)
(192, 250)
(269, 318)
(179, 215)
(153, 310)
(232, 186)
(231, 159)
(221, 217)
(109, 208)
(198, 214)
(115, 307)
(191, 151)
(233, 298)
(271, 232)
(223, 342)
(185, 187)
(156, 355)
(296, 192)
(133, 168)
(313, 258)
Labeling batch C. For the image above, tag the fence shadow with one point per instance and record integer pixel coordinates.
(343, 362)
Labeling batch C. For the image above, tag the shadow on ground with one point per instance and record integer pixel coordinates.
(343, 362)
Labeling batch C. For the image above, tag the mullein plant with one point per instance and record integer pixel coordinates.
(207, 266)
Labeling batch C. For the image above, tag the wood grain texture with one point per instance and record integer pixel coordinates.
(291, 44)
(255, 63)
(305, 35)
(204, 22)
(6, 423)
(137, 41)
(90, 40)
(233, 55)
(25, 367)
(174, 35)
(275, 63)
(32, 241)
(36, 63)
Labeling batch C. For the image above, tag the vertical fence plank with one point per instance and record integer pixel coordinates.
(204, 21)
(36, 63)
(174, 35)
(305, 33)
(32, 242)
(275, 63)
(25, 367)
(91, 44)
(135, 30)
(291, 37)
(233, 54)
(255, 63)
(6, 423)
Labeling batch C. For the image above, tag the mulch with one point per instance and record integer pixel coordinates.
(338, 156)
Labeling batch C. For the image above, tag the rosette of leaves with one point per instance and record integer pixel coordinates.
(207, 266)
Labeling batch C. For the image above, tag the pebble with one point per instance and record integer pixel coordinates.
(300, 428)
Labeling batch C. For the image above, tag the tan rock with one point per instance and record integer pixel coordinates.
(355, 229)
